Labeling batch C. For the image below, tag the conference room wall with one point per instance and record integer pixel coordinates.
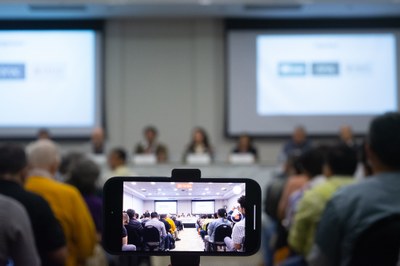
(168, 73)
(131, 202)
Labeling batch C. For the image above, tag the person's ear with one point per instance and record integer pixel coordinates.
(371, 156)
(23, 174)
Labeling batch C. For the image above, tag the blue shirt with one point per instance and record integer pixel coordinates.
(213, 225)
(352, 210)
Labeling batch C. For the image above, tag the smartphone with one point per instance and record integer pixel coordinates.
(204, 217)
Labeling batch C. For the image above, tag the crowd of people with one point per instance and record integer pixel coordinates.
(224, 230)
(319, 213)
(159, 232)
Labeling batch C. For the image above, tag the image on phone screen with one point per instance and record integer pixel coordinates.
(183, 216)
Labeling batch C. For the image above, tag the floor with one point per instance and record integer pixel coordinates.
(190, 241)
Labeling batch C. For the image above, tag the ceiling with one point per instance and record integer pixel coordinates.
(80, 9)
(183, 191)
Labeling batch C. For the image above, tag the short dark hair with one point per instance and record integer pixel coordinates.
(163, 216)
(146, 214)
(84, 175)
(341, 159)
(12, 159)
(154, 215)
(221, 212)
(121, 153)
(242, 202)
(384, 138)
(152, 129)
(131, 213)
(312, 161)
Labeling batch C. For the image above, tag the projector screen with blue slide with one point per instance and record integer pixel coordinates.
(50, 79)
(321, 80)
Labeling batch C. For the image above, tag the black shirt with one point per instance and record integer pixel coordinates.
(134, 229)
(47, 230)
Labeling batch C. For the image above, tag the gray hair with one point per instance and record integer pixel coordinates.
(43, 153)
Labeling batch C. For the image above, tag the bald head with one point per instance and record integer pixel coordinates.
(43, 154)
(346, 133)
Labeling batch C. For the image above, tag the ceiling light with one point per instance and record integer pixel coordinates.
(237, 190)
(153, 183)
(172, 183)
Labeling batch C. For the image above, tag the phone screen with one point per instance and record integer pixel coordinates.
(158, 216)
(184, 216)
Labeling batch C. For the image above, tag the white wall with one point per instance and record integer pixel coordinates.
(148, 205)
(131, 202)
(169, 73)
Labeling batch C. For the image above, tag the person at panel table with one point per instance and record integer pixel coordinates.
(199, 144)
(245, 146)
(151, 145)
(297, 145)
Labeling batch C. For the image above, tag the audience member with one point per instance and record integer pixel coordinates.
(221, 213)
(98, 141)
(125, 245)
(43, 133)
(245, 145)
(168, 240)
(173, 229)
(339, 168)
(17, 245)
(155, 222)
(67, 163)
(146, 218)
(84, 175)
(134, 229)
(346, 137)
(298, 144)
(199, 144)
(355, 208)
(296, 181)
(65, 201)
(151, 145)
(178, 224)
(236, 241)
(49, 237)
(117, 161)
(312, 162)
(204, 222)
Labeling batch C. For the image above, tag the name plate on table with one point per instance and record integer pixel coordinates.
(241, 158)
(99, 159)
(144, 159)
(198, 159)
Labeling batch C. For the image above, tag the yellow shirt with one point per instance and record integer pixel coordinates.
(71, 211)
(171, 223)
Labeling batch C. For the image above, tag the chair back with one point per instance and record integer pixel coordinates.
(151, 237)
(221, 232)
(379, 244)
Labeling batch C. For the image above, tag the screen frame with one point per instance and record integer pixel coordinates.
(298, 24)
(113, 204)
(57, 133)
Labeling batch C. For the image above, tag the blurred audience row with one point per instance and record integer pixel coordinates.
(319, 214)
